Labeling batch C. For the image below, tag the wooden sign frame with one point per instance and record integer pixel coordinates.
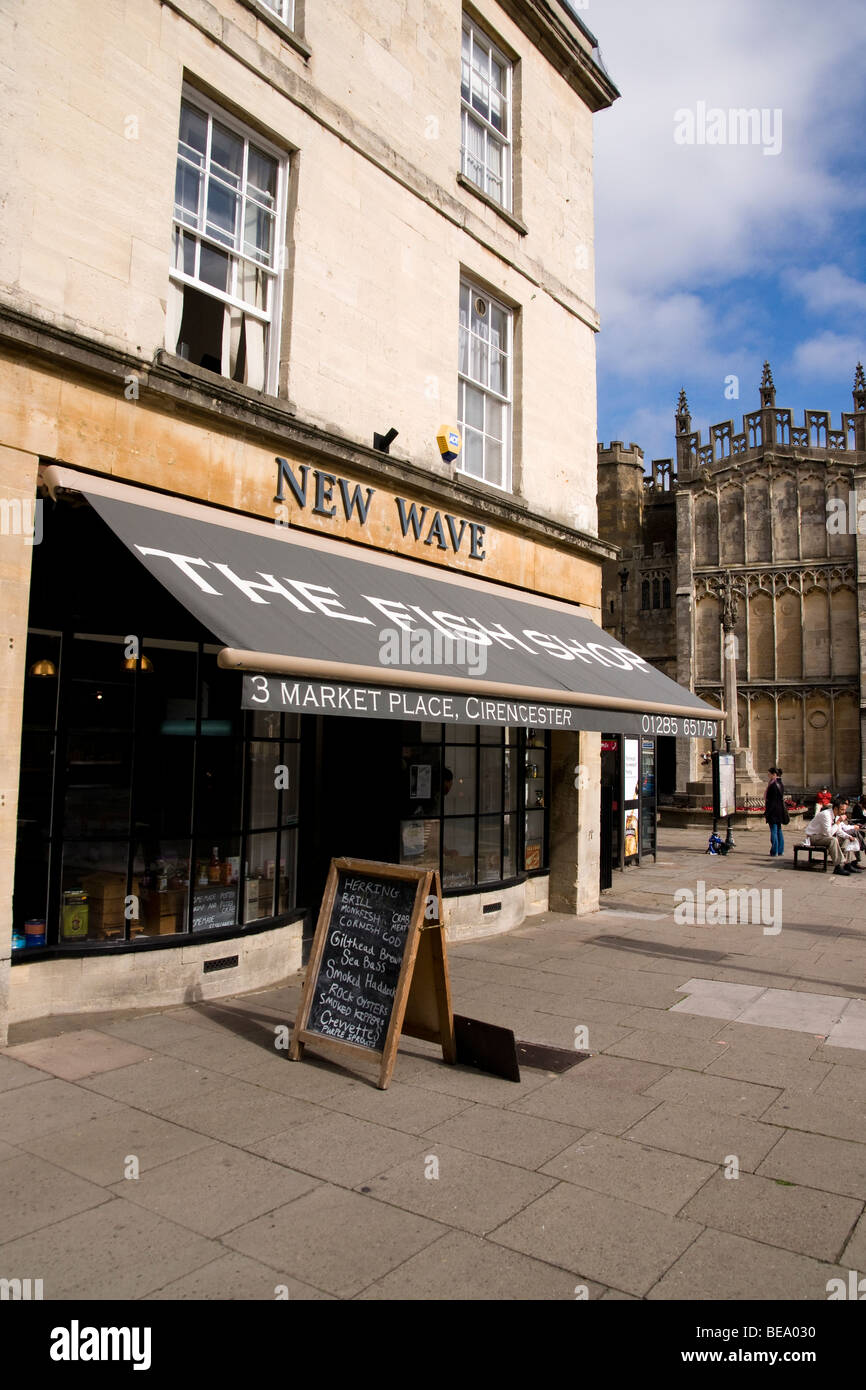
(422, 999)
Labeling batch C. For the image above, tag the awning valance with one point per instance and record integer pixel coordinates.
(336, 618)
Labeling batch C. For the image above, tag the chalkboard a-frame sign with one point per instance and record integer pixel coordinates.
(378, 966)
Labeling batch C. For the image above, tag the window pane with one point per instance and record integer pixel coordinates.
(215, 883)
(287, 892)
(98, 774)
(478, 351)
(222, 213)
(161, 869)
(498, 373)
(473, 453)
(259, 877)
(93, 890)
(214, 268)
(493, 463)
(474, 408)
(489, 854)
(264, 772)
(258, 233)
(459, 852)
(461, 799)
(193, 131)
(227, 154)
(187, 191)
(491, 780)
(419, 842)
(262, 176)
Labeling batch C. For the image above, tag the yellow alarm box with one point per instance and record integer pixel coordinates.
(449, 442)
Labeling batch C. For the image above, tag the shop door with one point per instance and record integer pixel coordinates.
(356, 812)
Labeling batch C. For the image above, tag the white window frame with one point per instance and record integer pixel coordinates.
(506, 399)
(283, 9)
(502, 138)
(271, 317)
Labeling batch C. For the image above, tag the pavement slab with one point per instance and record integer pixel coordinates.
(408, 1108)
(748, 1062)
(463, 1266)
(235, 1277)
(587, 1105)
(243, 1115)
(214, 1189)
(339, 1148)
(606, 1239)
(74, 1055)
(720, 1266)
(14, 1074)
(854, 1255)
(693, 1131)
(155, 1084)
(460, 1189)
(99, 1149)
(787, 1215)
(51, 1104)
(623, 1168)
(818, 1116)
(307, 1240)
(524, 1140)
(814, 1160)
(720, 1093)
(116, 1250)
(644, 1046)
(634, 1076)
(37, 1193)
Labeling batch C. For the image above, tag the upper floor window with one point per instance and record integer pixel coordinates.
(645, 594)
(666, 593)
(223, 308)
(484, 390)
(485, 92)
(283, 9)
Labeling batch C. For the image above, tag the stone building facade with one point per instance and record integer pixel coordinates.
(776, 505)
(396, 240)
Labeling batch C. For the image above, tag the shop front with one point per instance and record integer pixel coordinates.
(215, 706)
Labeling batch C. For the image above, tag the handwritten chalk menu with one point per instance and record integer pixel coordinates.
(214, 907)
(354, 995)
(366, 970)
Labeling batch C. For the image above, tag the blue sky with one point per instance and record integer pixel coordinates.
(712, 257)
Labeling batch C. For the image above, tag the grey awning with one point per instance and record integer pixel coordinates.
(330, 614)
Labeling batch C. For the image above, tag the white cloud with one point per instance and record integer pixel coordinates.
(828, 289)
(829, 356)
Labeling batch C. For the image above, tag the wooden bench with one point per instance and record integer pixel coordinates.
(810, 851)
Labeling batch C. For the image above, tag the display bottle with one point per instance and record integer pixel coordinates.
(214, 867)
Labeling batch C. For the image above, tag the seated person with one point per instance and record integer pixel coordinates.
(824, 830)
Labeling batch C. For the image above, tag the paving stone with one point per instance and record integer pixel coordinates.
(844, 1084)
(339, 1148)
(732, 1097)
(839, 1056)
(793, 1217)
(750, 1062)
(220, 1052)
(804, 1012)
(697, 1133)
(854, 1255)
(587, 1105)
(605, 1070)
(14, 1074)
(308, 1239)
(154, 1031)
(239, 1113)
(311, 1079)
(622, 1168)
(214, 1189)
(97, 1149)
(602, 1238)
(813, 1160)
(465, 1082)
(237, 1277)
(470, 1192)
(724, 1267)
(681, 1025)
(641, 987)
(524, 1140)
(74, 1055)
(407, 1108)
(52, 1104)
(818, 1116)
(155, 1084)
(462, 1266)
(36, 1193)
(672, 1052)
(113, 1251)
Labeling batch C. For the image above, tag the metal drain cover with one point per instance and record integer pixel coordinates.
(545, 1058)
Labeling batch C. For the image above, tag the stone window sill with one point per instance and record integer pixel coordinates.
(506, 216)
(286, 34)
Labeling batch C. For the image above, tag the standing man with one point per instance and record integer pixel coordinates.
(775, 812)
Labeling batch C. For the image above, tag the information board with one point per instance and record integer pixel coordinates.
(378, 964)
